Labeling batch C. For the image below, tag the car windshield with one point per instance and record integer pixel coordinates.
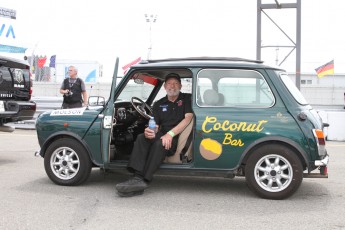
(293, 89)
(139, 86)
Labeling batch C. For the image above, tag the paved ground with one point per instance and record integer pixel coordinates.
(29, 200)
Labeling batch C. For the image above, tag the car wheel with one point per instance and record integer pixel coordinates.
(66, 162)
(273, 172)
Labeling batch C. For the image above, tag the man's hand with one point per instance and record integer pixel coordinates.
(149, 133)
(166, 141)
(64, 91)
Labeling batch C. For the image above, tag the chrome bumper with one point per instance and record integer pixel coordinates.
(37, 153)
(323, 162)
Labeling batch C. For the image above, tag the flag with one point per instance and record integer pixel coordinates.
(41, 62)
(125, 68)
(52, 61)
(326, 69)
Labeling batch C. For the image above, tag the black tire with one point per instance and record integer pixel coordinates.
(274, 172)
(66, 162)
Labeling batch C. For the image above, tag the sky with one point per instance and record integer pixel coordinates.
(103, 30)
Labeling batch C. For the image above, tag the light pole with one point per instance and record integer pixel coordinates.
(150, 19)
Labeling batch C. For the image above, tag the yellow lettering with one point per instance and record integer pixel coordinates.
(208, 120)
(217, 126)
(225, 125)
(247, 128)
(240, 126)
(259, 129)
(233, 126)
(233, 142)
(227, 139)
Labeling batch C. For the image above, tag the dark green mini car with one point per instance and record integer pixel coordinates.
(249, 120)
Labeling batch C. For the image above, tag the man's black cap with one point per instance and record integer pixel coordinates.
(173, 75)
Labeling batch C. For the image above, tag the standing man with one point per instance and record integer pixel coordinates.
(172, 114)
(73, 90)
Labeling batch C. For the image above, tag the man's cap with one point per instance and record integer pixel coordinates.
(173, 75)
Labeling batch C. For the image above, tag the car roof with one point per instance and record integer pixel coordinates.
(218, 62)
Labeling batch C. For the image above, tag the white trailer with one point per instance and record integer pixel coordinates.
(89, 71)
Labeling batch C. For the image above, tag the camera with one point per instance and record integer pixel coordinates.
(69, 94)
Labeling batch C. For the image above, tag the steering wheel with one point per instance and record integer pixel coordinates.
(141, 107)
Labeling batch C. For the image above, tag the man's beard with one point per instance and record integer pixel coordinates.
(173, 92)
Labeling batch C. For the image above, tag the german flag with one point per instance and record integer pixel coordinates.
(326, 69)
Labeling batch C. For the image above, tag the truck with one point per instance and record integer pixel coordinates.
(15, 92)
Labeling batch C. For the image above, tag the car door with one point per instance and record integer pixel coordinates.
(232, 110)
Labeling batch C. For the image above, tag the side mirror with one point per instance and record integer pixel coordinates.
(96, 101)
(325, 125)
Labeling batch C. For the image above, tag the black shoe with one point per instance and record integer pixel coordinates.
(134, 184)
(130, 194)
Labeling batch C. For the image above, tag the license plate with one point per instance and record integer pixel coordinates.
(2, 106)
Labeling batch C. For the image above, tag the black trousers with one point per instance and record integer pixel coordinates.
(148, 155)
(72, 105)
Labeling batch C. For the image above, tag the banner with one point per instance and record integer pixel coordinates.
(125, 68)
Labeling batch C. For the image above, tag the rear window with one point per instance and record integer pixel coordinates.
(293, 89)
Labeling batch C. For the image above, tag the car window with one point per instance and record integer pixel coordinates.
(293, 89)
(233, 88)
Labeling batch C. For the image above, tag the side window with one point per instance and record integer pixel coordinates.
(234, 88)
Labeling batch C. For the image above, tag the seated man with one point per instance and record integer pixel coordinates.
(172, 114)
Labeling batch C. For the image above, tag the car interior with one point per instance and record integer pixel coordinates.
(133, 108)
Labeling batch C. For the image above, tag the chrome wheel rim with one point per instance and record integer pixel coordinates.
(273, 173)
(65, 163)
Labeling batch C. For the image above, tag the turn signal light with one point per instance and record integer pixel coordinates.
(320, 136)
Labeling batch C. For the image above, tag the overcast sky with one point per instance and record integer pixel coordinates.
(103, 30)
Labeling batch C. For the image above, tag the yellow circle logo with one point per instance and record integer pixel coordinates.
(210, 149)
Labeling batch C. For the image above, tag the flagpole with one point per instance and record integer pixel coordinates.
(333, 84)
(333, 89)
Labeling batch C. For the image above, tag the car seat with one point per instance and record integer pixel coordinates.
(182, 139)
(211, 97)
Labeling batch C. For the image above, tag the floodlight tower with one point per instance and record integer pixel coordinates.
(150, 19)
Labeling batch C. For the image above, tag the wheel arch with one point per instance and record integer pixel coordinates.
(301, 154)
(60, 135)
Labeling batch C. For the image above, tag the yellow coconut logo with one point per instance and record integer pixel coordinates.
(210, 149)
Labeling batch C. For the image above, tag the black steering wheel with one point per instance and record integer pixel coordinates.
(141, 107)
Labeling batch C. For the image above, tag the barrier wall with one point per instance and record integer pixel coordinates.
(328, 101)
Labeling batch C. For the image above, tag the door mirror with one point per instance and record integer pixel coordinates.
(96, 101)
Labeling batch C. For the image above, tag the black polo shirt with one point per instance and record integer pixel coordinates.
(168, 114)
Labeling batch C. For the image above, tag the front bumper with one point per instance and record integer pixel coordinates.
(37, 153)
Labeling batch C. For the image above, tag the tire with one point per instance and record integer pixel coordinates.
(274, 172)
(66, 162)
